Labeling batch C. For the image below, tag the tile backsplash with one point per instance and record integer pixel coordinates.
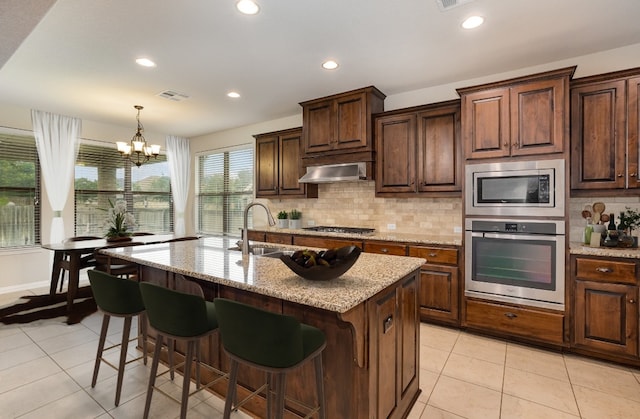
(354, 204)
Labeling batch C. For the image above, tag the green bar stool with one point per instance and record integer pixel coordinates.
(271, 342)
(178, 316)
(120, 298)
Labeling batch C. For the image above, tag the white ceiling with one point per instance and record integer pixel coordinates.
(79, 59)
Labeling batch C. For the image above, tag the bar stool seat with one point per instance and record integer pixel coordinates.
(120, 298)
(270, 342)
(178, 316)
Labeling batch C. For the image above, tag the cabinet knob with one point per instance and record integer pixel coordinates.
(384, 250)
(604, 270)
(632, 174)
(632, 301)
(620, 175)
(433, 254)
(506, 144)
(511, 315)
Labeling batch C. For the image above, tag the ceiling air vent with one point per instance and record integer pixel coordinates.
(173, 95)
(450, 4)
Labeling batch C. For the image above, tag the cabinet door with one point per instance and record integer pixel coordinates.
(486, 123)
(606, 317)
(439, 151)
(290, 168)
(538, 117)
(633, 130)
(598, 136)
(439, 291)
(318, 126)
(267, 166)
(351, 121)
(385, 337)
(396, 151)
(409, 339)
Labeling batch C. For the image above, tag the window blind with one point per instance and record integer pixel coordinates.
(103, 176)
(224, 188)
(19, 192)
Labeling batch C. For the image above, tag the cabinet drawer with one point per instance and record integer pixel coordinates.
(385, 248)
(257, 236)
(324, 243)
(529, 323)
(435, 254)
(279, 238)
(606, 270)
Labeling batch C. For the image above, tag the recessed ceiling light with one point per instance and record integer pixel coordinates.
(248, 7)
(473, 22)
(145, 62)
(233, 94)
(330, 65)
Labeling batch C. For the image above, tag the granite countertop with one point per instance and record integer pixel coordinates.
(417, 238)
(210, 259)
(577, 248)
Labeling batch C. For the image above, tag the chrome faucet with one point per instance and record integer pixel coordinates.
(245, 234)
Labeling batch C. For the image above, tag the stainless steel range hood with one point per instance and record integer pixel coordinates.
(346, 172)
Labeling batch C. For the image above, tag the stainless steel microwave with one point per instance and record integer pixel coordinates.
(526, 188)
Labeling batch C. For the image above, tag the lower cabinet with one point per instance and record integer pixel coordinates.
(439, 295)
(324, 242)
(606, 306)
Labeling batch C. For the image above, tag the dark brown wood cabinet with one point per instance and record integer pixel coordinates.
(606, 307)
(339, 124)
(518, 117)
(324, 242)
(604, 133)
(439, 293)
(419, 151)
(279, 166)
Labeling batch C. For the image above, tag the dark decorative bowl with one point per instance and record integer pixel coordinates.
(345, 258)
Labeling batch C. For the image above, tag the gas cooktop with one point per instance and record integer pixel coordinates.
(349, 230)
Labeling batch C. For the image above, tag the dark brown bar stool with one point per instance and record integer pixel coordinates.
(273, 343)
(120, 298)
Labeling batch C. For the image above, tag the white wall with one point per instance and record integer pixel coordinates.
(21, 270)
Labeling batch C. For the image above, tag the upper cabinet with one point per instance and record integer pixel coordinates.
(518, 117)
(419, 151)
(279, 166)
(340, 125)
(604, 133)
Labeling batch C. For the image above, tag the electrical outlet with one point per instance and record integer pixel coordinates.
(311, 223)
(457, 229)
(391, 226)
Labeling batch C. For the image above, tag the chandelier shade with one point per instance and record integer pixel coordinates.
(137, 151)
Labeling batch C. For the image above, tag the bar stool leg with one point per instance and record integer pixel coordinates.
(187, 378)
(103, 337)
(320, 385)
(123, 356)
(170, 346)
(280, 386)
(231, 392)
(152, 376)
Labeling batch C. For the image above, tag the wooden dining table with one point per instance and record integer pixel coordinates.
(76, 249)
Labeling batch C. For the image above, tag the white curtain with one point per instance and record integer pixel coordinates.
(179, 159)
(57, 139)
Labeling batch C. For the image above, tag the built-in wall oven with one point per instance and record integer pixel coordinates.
(520, 261)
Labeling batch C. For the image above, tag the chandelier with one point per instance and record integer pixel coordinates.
(137, 151)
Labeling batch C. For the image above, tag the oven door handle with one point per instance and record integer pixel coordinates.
(520, 237)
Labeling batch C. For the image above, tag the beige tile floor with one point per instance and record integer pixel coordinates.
(45, 372)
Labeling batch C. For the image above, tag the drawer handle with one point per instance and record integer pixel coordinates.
(384, 250)
(511, 315)
(386, 325)
(604, 270)
(433, 254)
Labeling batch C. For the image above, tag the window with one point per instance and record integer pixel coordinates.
(224, 188)
(102, 175)
(19, 192)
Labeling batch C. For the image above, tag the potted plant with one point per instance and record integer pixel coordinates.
(629, 221)
(295, 221)
(283, 222)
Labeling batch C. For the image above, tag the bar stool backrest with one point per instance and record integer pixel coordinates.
(115, 295)
(259, 336)
(174, 313)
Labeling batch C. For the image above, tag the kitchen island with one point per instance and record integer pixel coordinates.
(369, 316)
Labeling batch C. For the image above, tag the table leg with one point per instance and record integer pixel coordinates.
(55, 271)
(74, 278)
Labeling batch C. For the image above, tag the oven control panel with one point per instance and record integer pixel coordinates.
(515, 226)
